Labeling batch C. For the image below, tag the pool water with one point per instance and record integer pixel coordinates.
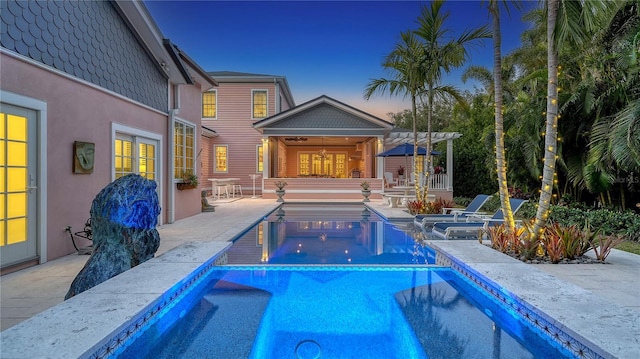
(339, 312)
(344, 234)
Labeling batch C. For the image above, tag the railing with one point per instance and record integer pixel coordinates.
(438, 181)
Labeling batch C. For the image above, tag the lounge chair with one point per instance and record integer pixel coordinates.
(470, 229)
(452, 214)
(389, 180)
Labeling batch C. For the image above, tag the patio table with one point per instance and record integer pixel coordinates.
(227, 182)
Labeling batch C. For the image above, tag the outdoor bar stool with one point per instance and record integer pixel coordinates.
(220, 190)
(236, 189)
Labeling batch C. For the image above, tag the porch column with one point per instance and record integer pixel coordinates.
(265, 158)
(450, 165)
(379, 160)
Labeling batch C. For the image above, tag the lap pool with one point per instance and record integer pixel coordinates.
(344, 283)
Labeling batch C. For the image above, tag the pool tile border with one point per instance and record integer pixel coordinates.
(570, 341)
(134, 327)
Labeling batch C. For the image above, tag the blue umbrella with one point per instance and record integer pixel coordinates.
(405, 149)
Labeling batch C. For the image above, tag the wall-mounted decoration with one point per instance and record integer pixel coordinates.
(83, 157)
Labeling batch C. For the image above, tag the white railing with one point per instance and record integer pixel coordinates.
(436, 181)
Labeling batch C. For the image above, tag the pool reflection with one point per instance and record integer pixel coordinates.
(336, 235)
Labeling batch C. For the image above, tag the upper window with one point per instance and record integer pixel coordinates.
(184, 147)
(210, 104)
(259, 103)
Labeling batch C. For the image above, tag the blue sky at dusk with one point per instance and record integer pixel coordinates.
(331, 48)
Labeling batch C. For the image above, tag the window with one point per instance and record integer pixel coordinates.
(184, 149)
(220, 159)
(329, 165)
(260, 156)
(210, 104)
(259, 103)
(123, 156)
(134, 154)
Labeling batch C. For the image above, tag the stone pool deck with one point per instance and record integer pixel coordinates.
(598, 302)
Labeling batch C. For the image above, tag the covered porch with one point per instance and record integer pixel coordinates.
(324, 149)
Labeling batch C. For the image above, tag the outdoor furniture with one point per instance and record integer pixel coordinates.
(222, 186)
(253, 177)
(236, 189)
(454, 215)
(220, 190)
(396, 199)
(471, 229)
(407, 189)
(389, 181)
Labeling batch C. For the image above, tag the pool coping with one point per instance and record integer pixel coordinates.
(93, 323)
(581, 321)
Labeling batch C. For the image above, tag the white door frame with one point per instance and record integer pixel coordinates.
(40, 107)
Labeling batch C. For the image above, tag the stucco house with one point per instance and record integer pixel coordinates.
(89, 91)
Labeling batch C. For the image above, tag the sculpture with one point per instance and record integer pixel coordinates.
(124, 216)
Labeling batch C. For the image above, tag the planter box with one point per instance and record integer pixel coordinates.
(183, 186)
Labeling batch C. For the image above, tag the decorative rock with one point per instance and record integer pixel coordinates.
(124, 216)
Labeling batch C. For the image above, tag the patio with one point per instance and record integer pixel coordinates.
(607, 297)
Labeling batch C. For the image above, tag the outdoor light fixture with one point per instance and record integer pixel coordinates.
(323, 152)
(296, 139)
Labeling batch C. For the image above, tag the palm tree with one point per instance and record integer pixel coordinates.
(442, 54)
(501, 160)
(576, 22)
(405, 63)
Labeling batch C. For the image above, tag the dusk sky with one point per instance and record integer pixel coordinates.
(331, 48)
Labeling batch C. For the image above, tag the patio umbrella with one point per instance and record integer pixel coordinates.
(406, 150)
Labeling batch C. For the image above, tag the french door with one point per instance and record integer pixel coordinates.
(135, 154)
(18, 191)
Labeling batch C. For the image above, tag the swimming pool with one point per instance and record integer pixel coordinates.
(339, 312)
(338, 309)
(345, 234)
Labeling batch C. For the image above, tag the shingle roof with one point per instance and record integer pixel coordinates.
(325, 116)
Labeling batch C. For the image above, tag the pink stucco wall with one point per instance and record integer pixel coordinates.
(188, 202)
(76, 112)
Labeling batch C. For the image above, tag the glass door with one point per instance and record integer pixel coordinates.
(18, 196)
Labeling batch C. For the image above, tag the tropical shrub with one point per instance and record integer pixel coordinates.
(574, 241)
(553, 245)
(602, 245)
(416, 206)
(626, 223)
(499, 237)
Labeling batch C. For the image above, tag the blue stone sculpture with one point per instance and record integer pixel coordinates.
(123, 219)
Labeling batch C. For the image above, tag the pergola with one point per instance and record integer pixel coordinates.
(400, 136)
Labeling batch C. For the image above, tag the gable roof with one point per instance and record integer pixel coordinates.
(246, 77)
(323, 116)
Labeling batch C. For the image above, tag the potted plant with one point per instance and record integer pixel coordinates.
(189, 180)
(280, 191)
(366, 192)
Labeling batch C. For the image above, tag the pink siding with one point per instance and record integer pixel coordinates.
(234, 129)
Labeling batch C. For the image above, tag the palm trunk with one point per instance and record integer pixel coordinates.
(415, 140)
(551, 132)
(501, 162)
(428, 154)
